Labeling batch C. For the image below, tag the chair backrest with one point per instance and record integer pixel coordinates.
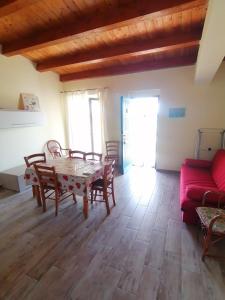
(93, 156)
(54, 148)
(109, 169)
(112, 148)
(35, 158)
(109, 158)
(77, 154)
(47, 177)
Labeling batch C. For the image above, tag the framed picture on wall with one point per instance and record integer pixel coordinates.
(29, 102)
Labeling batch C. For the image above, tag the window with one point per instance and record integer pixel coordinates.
(84, 122)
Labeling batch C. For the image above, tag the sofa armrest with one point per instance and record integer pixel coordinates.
(218, 196)
(204, 193)
(198, 163)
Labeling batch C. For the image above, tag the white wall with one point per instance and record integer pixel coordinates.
(205, 107)
(18, 75)
(212, 45)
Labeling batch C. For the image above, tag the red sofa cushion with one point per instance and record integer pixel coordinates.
(197, 176)
(198, 163)
(194, 176)
(196, 192)
(218, 169)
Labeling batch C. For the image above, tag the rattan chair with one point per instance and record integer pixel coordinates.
(56, 150)
(212, 222)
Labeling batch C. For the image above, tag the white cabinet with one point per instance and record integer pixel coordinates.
(21, 118)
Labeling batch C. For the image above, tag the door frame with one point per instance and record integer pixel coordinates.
(121, 134)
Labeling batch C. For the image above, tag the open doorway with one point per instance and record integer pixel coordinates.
(139, 127)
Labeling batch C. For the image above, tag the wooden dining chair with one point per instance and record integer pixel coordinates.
(103, 188)
(77, 154)
(50, 187)
(93, 156)
(30, 160)
(55, 149)
(112, 152)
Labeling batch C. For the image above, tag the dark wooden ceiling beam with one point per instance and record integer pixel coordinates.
(131, 68)
(112, 18)
(172, 42)
(8, 7)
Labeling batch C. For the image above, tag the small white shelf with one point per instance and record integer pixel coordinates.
(21, 118)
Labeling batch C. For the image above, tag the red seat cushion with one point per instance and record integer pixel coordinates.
(218, 169)
(98, 185)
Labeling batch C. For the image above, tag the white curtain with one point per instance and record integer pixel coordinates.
(78, 118)
(78, 126)
(103, 98)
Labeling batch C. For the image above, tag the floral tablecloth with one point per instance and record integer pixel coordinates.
(74, 175)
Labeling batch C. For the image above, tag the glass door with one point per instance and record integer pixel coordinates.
(84, 123)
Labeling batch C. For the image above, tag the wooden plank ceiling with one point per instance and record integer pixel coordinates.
(89, 38)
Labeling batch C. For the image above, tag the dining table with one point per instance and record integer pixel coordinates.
(74, 175)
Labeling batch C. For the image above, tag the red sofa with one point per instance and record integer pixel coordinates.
(198, 177)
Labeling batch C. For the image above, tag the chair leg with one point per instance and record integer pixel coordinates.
(207, 242)
(37, 194)
(44, 205)
(113, 196)
(42, 193)
(56, 206)
(74, 198)
(92, 196)
(33, 191)
(105, 197)
(107, 206)
(95, 196)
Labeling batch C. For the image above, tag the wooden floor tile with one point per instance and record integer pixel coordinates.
(131, 276)
(141, 251)
(149, 284)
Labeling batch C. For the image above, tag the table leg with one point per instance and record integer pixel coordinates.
(38, 195)
(85, 206)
